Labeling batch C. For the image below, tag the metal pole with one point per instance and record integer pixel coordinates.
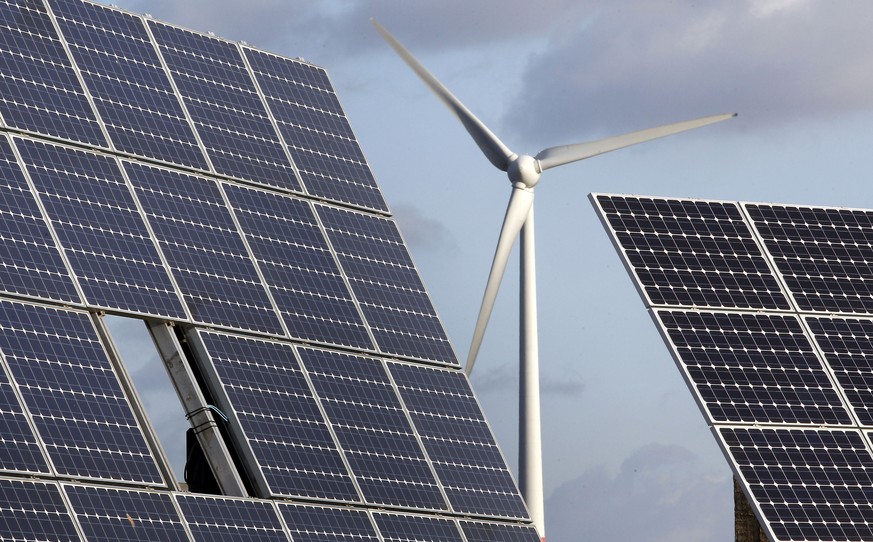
(530, 454)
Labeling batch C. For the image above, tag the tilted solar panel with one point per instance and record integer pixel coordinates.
(788, 392)
(229, 520)
(323, 524)
(401, 528)
(34, 512)
(475, 531)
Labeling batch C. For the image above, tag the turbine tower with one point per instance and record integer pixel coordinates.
(524, 173)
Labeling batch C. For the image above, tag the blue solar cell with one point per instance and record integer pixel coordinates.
(402, 528)
(277, 416)
(109, 515)
(322, 524)
(230, 520)
(130, 88)
(754, 368)
(316, 130)
(100, 229)
(692, 253)
(34, 512)
(372, 429)
(30, 263)
(299, 268)
(18, 445)
(475, 531)
(73, 395)
(225, 106)
(204, 250)
(458, 441)
(39, 91)
(386, 284)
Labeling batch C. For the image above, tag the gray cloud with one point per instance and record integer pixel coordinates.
(644, 62)
(660, 494)
(505, 378)
(422, 232)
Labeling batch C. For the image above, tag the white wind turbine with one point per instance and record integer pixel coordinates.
(524, 173)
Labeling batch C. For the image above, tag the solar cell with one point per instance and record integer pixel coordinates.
(402, 528)
(73, 396)
(266, 393)
(758, 368)
(30, 263)
(298, 267)
(316, 130)
(458, 441)
(810, 484)
(372, 429)
(34, 512)
(824, 255)
(19, 451)
(100, 229)
(230, 520)
(224, 104)
(475, 531)
(847, 346)
(39, 90)
(386, 284)
(323, 524)
(109, 514)
(130, 88)
(203, 248)
(691, 253)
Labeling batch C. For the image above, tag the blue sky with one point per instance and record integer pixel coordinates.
(628, 456)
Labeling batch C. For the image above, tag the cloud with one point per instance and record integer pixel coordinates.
(505, 378)
(645, 62)
(423, 233)
(660, 494)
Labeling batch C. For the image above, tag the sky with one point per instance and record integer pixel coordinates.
(627, 454)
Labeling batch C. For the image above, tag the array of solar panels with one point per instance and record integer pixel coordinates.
(155, 172)
(768, 311)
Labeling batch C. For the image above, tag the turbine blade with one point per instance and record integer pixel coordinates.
(558, 156)
(494, 149)
(516, 213)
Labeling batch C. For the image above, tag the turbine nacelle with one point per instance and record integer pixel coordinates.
(524, 170)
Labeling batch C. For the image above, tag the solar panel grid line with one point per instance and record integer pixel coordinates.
(823, 255)
(307, 523)
(36, 511)
(102, 234)
(686, 252)
(290, 249)
(47, 98)
(398, 309)
(280, 460)
(755, 368)
(373, 431)
(395, 527)
(156, 130)
(803, 483)
(227, 111)
(333, 141)
(229, 519)
(136, 402)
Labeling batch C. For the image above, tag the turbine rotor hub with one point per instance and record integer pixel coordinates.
(525, 170)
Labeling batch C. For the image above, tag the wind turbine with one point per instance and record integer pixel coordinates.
(524, 173)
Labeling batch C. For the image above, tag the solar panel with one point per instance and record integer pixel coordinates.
(397, 528)
(475, 531)
(316, 130)
(217, 193)
(130, 88)
(203, 248)
(34, 512)
(80, 412)
(824, 255)
(691, 253)
(788, 392)
(298, 267)
(102, 233)
(110, 514)
(224, 104)
(458, 441)
(274, 410)
(371, 426)
(39, 90)
(323, 524)
(219, 520)
(30, 263)
(386, 284)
